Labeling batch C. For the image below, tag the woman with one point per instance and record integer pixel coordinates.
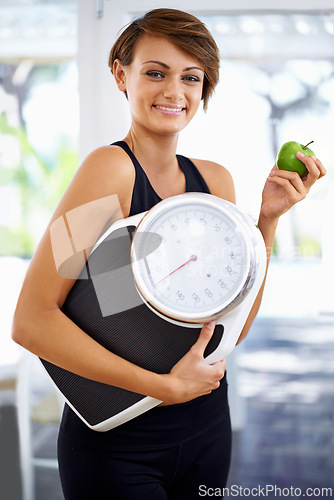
(166, 63)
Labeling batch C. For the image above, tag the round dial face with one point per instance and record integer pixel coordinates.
(191, 257)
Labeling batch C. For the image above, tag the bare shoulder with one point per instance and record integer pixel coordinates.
(218, 179)
(106, 171)
(99, 193)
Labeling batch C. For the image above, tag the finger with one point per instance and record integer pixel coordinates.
(321, 171)
(293, 194)
(204, 338)
(207, 393)
(220, 364)
(320, 166)
(313, 170)
(220, 368)
(291, 177)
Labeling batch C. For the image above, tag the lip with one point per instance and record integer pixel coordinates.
(168, 109)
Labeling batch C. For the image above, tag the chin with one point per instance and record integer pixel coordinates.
(171, 129)
(171, 132)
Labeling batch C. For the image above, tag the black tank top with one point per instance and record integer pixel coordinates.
(144, 197)
(162, 424)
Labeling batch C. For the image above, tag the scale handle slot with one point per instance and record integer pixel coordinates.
(133, 220)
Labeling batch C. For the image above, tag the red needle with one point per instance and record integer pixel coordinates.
(192, 259)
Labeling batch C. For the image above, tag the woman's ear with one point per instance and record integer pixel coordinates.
(119, 74)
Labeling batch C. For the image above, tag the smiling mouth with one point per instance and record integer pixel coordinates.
(169, 109)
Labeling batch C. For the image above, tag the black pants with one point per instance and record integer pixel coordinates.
(172, 459)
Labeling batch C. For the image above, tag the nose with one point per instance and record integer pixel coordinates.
(172, 90)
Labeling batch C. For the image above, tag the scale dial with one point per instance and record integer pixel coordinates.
(193, 257)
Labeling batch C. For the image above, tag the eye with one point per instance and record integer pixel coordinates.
(155, 74)
(191, 78)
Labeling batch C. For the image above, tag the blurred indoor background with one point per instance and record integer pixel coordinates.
(58, 101)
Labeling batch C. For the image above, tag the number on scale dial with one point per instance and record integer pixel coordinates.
(200, 266)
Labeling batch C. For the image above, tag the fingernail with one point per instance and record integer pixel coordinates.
(211, 325)
(300, 155)
(313, 157)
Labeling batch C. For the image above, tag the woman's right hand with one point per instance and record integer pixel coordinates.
(192, 377)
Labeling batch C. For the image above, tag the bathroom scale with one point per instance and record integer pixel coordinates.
(150, 283)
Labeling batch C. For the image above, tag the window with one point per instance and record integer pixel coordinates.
(276, 84)
(39, 118)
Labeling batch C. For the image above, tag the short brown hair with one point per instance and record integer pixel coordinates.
(185, 31)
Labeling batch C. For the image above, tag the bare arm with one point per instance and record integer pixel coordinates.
(281, 191)
(101, 190)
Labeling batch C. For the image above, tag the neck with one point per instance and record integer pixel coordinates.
(155, 152)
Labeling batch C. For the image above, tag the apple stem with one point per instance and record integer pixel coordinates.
(307, 145)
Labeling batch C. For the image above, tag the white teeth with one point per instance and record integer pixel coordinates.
(169, 109)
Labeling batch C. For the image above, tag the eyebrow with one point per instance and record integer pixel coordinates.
(167, 67)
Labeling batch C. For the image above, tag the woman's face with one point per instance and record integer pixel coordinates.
(164, 85)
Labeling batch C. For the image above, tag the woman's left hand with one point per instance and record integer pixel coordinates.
(284, 188)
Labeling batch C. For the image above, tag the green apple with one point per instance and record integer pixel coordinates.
(287, 160)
